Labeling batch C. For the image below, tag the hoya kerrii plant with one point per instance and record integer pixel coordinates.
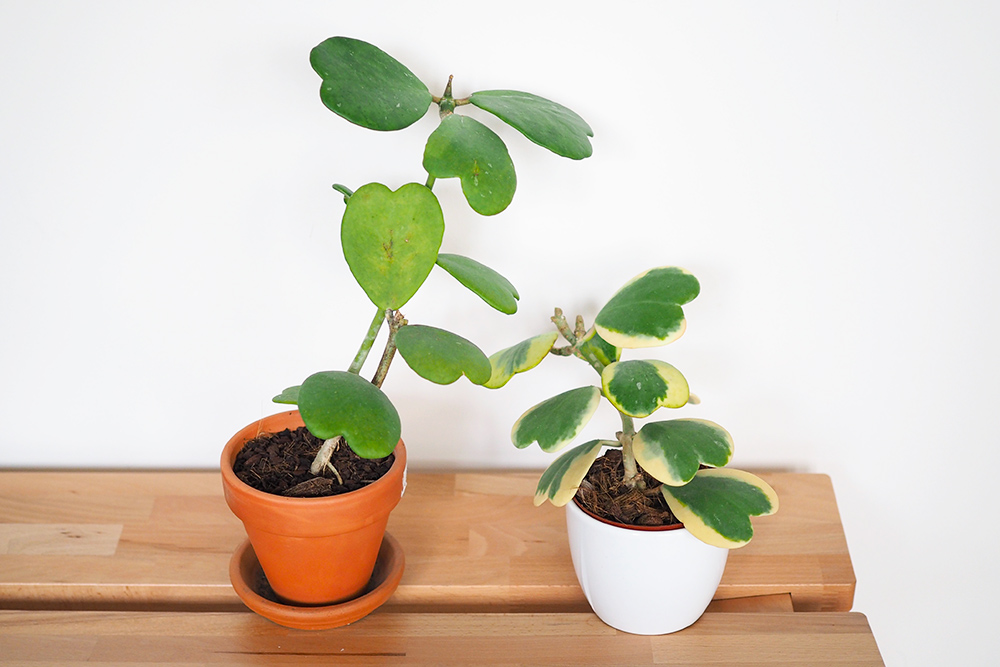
(391, 237)
(685, 455)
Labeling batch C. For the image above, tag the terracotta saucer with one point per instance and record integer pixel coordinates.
(251, 585)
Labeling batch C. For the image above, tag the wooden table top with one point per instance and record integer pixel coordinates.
(230, 638)
(473, 542)
(99, 564)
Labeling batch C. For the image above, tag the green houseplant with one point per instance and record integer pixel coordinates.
(391, 237)
(676, 462)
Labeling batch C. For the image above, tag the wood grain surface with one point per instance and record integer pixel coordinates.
(473, 542)
(185, 638)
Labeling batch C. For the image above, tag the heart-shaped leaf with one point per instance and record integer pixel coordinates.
(289, 396)
(367, 86)
(553, 423)
(441, 356)
(519, 358)
(561, 480)
(716, 505)
(647, 311)
(603, 351)
(463, 147)
(491, 287)
(336, 403)
(673, 451)
(544, 122)
(391, 240)
(640, 387)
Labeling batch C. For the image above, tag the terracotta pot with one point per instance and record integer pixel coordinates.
(646, 582)
(314, 551)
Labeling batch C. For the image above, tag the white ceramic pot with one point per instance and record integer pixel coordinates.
(646, 582)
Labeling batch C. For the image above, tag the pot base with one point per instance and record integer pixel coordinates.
(246, 576)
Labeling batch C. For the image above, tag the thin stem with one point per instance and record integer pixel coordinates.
(633, 478)
(366, 344)
(574, 341)
(430, 182)
(396, 322)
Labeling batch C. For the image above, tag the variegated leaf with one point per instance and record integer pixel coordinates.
(561, 480)
(672, 451)
(647, 311)
(553, 423)
(716, 505)
(603, 351)
(519, 358)
(640, 387)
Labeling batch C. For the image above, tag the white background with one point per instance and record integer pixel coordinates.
(169, 254)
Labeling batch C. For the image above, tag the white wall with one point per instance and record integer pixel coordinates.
(169, 255)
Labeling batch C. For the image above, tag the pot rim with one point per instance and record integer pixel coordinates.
(243, 489)
(625, 526)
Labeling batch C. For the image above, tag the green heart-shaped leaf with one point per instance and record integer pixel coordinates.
(561, 480)
(391, 240)
(491, 287)
(519, 358)
(336, 403)
(544, 122)
(603, 351)
(555, 422)
(367, 86)
(673, 451)
(289, 396)
(647, 311)
(463, 147)
(640, 387)
(441, 356)
(716, 505)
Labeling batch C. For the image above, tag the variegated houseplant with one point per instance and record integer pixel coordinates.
(685, 455)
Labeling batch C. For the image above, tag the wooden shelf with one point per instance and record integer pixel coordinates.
(484, 567)
(229, 638)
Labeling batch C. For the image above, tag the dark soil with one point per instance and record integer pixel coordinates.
(278, 463)
(604, 494)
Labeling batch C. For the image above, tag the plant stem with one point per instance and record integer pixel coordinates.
(366, 344)
(574, 341)
(322, 459)
(633, 478)
(396, 322)
(430, 182)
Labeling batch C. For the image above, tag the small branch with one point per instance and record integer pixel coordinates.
(396, 322)
(559, 320)
(566, 351)
(430, 182)
(322, 459)
(574, 339)
(366, 344)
